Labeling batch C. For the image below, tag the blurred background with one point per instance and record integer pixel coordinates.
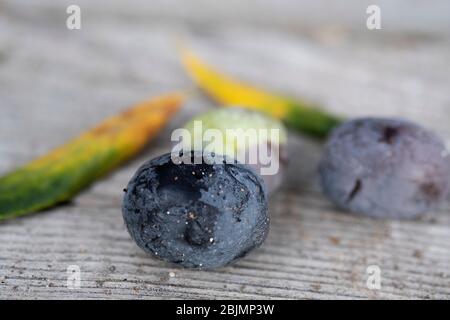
(56, 82)
(125, 52)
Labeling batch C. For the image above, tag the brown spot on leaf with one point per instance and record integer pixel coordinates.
(128, 113)
(102, 129)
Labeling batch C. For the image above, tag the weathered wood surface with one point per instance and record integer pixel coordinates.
(54, 83)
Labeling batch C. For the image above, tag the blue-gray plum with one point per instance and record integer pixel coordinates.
(196, 215)
(385, 168)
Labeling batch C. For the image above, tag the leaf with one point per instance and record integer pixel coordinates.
(296, 113)
(62, 173)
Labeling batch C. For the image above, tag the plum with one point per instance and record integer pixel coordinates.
(196, 215)
(385, 168)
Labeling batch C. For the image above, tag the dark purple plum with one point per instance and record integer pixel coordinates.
(196, 215)
(385, 168)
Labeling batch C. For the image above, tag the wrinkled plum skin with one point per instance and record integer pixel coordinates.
(197, 216)
(385, 168)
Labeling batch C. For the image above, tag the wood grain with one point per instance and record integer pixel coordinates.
(55, 83)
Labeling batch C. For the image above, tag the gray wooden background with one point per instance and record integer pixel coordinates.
(55, 83)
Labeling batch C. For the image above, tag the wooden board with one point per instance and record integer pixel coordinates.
(55, 83)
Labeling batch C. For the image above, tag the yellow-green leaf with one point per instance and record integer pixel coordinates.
(63, 172)
(301, 115)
